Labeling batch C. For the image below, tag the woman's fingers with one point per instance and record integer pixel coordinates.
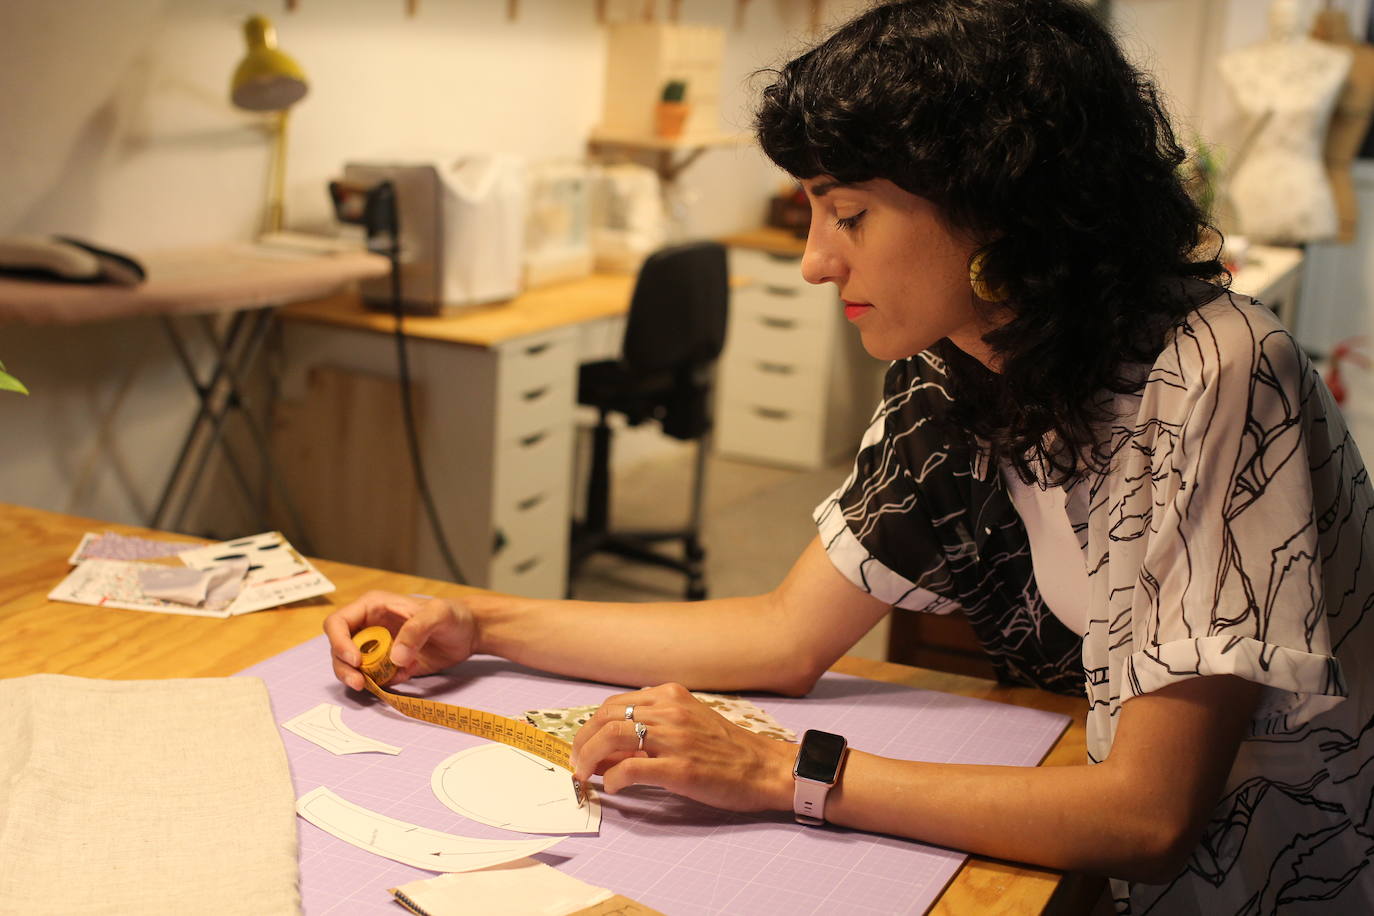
(372, 608)
(609, 744)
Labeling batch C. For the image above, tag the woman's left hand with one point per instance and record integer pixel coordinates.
(688, 749)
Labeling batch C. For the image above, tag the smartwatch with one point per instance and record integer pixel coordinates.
(817, 770)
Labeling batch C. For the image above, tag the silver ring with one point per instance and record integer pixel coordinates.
(630, 712)
(641, 730)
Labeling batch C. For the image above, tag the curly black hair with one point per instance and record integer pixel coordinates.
(1024, 123)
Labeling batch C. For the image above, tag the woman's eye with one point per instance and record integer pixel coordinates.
(849, 222)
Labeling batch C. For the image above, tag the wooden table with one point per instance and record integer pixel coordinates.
(39, 636)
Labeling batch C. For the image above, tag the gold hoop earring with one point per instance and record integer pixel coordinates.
(982, 288)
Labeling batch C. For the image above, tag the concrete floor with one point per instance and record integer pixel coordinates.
(757, 520)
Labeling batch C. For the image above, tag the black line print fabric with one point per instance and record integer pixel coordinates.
(1228, 535)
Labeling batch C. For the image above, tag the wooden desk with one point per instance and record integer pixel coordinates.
(45, 637)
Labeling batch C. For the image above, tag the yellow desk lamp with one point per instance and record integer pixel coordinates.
(268, 80)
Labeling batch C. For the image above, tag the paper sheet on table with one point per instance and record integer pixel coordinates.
(509, 788)
(414, 845)
(324, 725)
(521, 888)
(277, 574)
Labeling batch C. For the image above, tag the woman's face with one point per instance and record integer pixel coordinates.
(902, 273)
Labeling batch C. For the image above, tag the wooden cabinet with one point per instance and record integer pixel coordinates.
(794, 385)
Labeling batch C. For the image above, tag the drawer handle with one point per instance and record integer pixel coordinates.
(770, 321)
(535, 394)
(521, 568)
(779, 256)
(781, 290)
(772, 413)
(776, 368)
(526, 505)
(532, 439)
(536, 349)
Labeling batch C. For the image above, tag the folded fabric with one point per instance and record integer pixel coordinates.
(565, 721)
(521, 888)
(136, 797)
(62, 258)
(212, 587)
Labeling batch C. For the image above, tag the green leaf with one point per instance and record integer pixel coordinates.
(10, 383)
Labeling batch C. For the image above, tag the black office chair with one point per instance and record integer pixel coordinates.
(674, 333)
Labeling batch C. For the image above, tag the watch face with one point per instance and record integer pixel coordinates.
(820, 756)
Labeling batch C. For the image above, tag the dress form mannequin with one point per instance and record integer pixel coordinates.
(1351, 118)
(1289, 84)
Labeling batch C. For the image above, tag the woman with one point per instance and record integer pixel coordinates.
(1074, 404)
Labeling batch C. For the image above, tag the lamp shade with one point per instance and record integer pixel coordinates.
(266, 79)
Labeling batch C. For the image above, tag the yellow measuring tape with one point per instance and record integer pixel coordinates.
(375, 645)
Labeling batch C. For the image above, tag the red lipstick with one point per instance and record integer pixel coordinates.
(853, 310)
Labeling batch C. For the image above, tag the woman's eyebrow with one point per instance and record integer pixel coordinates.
(825, 187)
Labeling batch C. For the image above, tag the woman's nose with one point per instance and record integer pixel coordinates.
(819, 263)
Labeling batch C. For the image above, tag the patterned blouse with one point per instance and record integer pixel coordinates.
(1226, 536)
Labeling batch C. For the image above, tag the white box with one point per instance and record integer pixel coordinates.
(641, 57)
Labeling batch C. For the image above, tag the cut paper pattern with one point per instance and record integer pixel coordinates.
(408, 843)
(508, 788)
(323, 725)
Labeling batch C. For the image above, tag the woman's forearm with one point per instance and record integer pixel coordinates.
(1070, 818)
(780, 641)
(722, 644)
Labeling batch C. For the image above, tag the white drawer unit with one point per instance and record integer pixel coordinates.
(794, 385)
(496, 432)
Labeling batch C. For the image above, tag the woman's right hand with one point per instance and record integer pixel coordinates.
(429, 634)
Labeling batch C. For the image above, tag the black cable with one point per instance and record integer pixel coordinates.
(407, 399)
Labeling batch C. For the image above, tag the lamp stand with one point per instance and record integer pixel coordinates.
(276, 194)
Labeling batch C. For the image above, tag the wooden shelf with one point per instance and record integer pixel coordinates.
(664, 151)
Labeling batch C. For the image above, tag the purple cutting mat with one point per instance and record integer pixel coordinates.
(672, 854)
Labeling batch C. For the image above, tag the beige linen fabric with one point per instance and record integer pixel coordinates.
(144, 797)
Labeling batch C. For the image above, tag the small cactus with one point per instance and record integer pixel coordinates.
(674, 90)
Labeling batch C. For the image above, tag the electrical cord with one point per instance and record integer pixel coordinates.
(408, 401)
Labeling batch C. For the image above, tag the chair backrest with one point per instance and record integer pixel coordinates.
(679, 309)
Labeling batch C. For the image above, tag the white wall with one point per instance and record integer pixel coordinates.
(1179, 42)
(115, 126)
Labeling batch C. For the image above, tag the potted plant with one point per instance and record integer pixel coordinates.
(10, 383)
(672, 110)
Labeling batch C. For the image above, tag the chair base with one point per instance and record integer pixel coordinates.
(639, 546)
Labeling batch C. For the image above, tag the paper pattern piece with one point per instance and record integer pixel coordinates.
(565, 722)
(519, 888)
(111, 546)
(277, 574)
(408, 843)
(323, 725)
(506, 787)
